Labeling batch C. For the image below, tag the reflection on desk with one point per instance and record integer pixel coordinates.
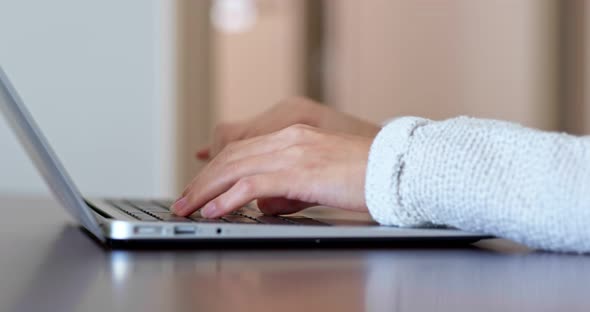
(76, 272)
(70, 272)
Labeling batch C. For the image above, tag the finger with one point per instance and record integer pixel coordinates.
(219, 178)
(247, 148)
(287, 141)
(203, 153)
(229, 156)
(277, 205)
(239, 150)
(247, 190)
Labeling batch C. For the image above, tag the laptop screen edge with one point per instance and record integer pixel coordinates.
(43, 157)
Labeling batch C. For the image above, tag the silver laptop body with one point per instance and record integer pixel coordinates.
(125, 222)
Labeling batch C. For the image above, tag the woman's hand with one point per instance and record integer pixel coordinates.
(287, 113)
(288, 170)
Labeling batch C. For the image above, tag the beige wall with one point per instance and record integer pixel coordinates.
(440, 59)
(575, 66)
(257, 68)
(193, 70)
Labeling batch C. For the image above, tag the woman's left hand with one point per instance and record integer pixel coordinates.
(287, 171)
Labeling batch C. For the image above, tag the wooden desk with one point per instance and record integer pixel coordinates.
(49, 264)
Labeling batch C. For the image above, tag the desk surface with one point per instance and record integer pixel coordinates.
(49, 264)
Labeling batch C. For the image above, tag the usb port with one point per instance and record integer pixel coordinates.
(148, 230)
(184, 229)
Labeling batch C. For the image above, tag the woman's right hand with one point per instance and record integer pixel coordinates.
(289, 112)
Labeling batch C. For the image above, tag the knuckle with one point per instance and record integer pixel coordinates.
(227, 149)
(298, 132)
(297, 151)
(300, 127)
(246, 185)
(230, 146)
(219, 202)
(192, 198)
(187, 189)
(230, 168)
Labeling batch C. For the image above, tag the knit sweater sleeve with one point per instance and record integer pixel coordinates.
(483, 176)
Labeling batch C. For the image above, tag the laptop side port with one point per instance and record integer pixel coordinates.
(147, 230)
(184, 230)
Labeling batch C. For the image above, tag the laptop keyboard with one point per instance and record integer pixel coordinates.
(158, 210)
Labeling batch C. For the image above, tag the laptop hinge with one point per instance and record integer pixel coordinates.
(98, 211)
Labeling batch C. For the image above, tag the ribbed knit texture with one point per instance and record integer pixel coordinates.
(484, 176)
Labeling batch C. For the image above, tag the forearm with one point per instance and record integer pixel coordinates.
(485, 176)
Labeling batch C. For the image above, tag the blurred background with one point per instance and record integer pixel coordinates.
(126, 91)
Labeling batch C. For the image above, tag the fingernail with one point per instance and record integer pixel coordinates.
(209, 210)
(179, 205)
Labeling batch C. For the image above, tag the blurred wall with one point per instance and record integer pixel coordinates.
(89, 72)
(255, 68)
(575, 66)
(439, 59)
(194, 68)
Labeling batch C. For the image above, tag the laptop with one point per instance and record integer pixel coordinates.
(149, 222)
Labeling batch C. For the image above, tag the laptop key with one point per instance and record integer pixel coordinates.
(137, 202)
(125, 207)
(262, 218)
(148, 206)
(248, 213)
(301, 220)
(255, 214)
(238, 219)
(144, 216)
(164, 203)
(170, 217)
(174, 218)
(274, 220)
(205, 220)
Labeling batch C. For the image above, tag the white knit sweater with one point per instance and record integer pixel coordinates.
(483, 176)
